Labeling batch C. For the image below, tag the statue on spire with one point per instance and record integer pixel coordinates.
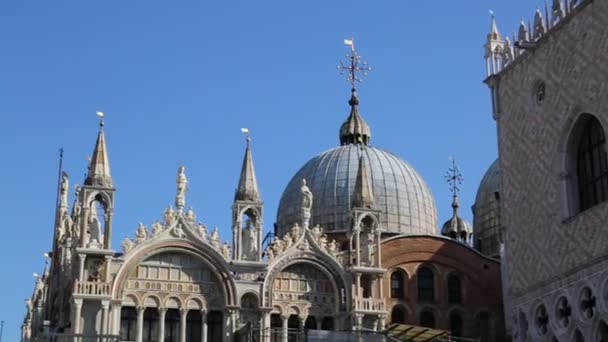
(182, 182)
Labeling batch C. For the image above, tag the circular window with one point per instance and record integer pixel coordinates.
(587, 303)
(541, 320)
(563, 312)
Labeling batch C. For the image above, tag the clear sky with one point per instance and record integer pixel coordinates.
(178, 79)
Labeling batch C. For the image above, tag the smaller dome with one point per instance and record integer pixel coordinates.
(456, 227)
(486, 212)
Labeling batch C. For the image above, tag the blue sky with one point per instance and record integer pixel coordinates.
(177, 81)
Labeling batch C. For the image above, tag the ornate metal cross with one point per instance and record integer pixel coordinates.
(454, 177)
(355, 68)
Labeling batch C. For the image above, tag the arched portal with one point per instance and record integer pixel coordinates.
(307, 288)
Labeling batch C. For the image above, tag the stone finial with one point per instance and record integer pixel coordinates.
(558, 11)
(182, 187)
(523, 34)
(141, 234)
(157, 228)
(507, 52)
(127, 245)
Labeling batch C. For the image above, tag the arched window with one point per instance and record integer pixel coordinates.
(456, 325)
(426, 284)
(398, 284)
(427, 319)
(398, 314)
(591, 165)
(454, 289)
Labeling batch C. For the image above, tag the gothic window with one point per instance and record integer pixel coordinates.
(563, 311)
(426, 284)
(591, 164)
(427, 319)
(398, 284)
(541, 320)
(587, 303)
(454, 289)
(398, 314)
(456, 325)
(128, 324)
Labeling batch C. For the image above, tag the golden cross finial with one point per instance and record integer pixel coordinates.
(355, 68)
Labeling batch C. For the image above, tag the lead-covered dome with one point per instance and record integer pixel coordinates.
(486, 212)
(404, 200)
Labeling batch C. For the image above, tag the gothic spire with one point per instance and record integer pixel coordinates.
(247, 189)
(363, 196)
(99, 167)
(494, 33)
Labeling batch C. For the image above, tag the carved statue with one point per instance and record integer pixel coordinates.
(269, 254)
(370, 247)
(225, 250)
(250, 242)
(277, 246)
(60, 231)
(127, 245)
(214, 239)
(190, 215)
(94, 228)
(332, 247)
(316, 232)
(157, 228)
(306, 195)
(63, 193)
(182, 183)
(323, 242)
(169, 215)
(202, 231)
(288, 241)
(295, 232)
(178, 231)
(141, 234)
(95, 271)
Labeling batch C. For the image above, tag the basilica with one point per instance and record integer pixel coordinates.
(356, 251)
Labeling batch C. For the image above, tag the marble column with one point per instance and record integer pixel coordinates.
(203, 326)
(302, 323)
(161, 324)
(115, 312)
(285, 328)
(358, 245)
(139, 336)
(182, 324)
(319, 323)
(105, 317)
(82, 258)
(77, 313)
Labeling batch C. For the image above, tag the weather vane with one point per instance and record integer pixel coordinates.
(355, 68)
(454, 177)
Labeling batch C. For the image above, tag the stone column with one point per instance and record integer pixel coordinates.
(358, 245)
(107, 231)
(319, 322)
(285, 328)
(82, 258)
(115, 312)
(105, 317)
(378, 249)
(358, 285)
(161, 324)
(139, 336)
(77, 313)
(382, 322)
(264, 325)
(203, 326)
(107, 273)
(182, 324)
(302, 323)
(358, 321)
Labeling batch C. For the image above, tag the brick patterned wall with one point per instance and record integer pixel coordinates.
(480, 277)
(542, 245)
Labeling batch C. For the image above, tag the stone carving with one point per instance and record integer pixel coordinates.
(63, 192)
(306, 203)
(94, 270)
(157, 228)
(94, 229)
(295, 238)
(202, 231)
(182, 183)
(214, 239)
(169, 216)
(178, 231)
(141, 234)
(316, 232)
(190, 215)
(127, 245)
(225, 250)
